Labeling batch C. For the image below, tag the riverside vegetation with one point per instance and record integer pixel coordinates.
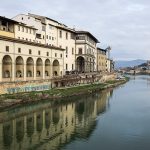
(11, 100)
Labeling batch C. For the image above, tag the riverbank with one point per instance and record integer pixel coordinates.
(13, 100)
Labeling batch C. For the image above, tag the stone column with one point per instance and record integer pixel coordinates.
(44, 71)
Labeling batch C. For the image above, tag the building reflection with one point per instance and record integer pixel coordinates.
(53, 126)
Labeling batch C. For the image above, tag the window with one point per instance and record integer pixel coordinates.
(30, 51)
(30, 31)
(18, 28)
(22, 29)
(80, 50)
(43, 36)
(22, 18)
(66, 66)
(19, 50)
(72, 36)
(72, 51)
(47, 53)
(60, 34)
(66, 36)
(26, 30)
(50, 37)
(80, 37)
(43, 28)
(55, 54)
(61, 55)
(47, 36)
(50, 27)
(39, 53)
(7, 48)
(66, 49)
(72, 66)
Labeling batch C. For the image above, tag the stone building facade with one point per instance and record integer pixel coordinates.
(101, 60)
(36, 48)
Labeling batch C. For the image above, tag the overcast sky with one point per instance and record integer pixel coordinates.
(122, 24)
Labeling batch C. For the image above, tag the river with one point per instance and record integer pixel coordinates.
(114, 119)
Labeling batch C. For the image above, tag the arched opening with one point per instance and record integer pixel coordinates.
(19, 67)
(56, 68)
(47, 68)
(39, 67)
(30, 67)
(80, 64)
(7, 66)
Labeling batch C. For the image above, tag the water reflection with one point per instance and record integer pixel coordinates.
(51, 125)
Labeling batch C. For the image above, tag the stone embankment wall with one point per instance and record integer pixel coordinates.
(24, 86)
(108, 77)
(39, 85)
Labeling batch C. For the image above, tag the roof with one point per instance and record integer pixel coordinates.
(16, 22)
(88, 33)
(9, 20)
(101, 49)
(25, 25)
(41, 17)
(66, 29)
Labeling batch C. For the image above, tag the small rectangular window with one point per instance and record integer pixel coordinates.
(66, 50)
(43, 28)
(18, 28)
(47, 53)
(22, 29)
(60, 34)
(72, 51)
(30, 51)
(39, 52)
(66, 66)
(80, 50)
(72, 66)
(7, 48)
(66, 36)
(19, 50)
(61, 55)
(26, 30)
(55, 54)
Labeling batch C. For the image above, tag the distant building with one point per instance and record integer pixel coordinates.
(101, 60)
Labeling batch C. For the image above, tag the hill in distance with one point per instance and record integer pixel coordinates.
(131, 63)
